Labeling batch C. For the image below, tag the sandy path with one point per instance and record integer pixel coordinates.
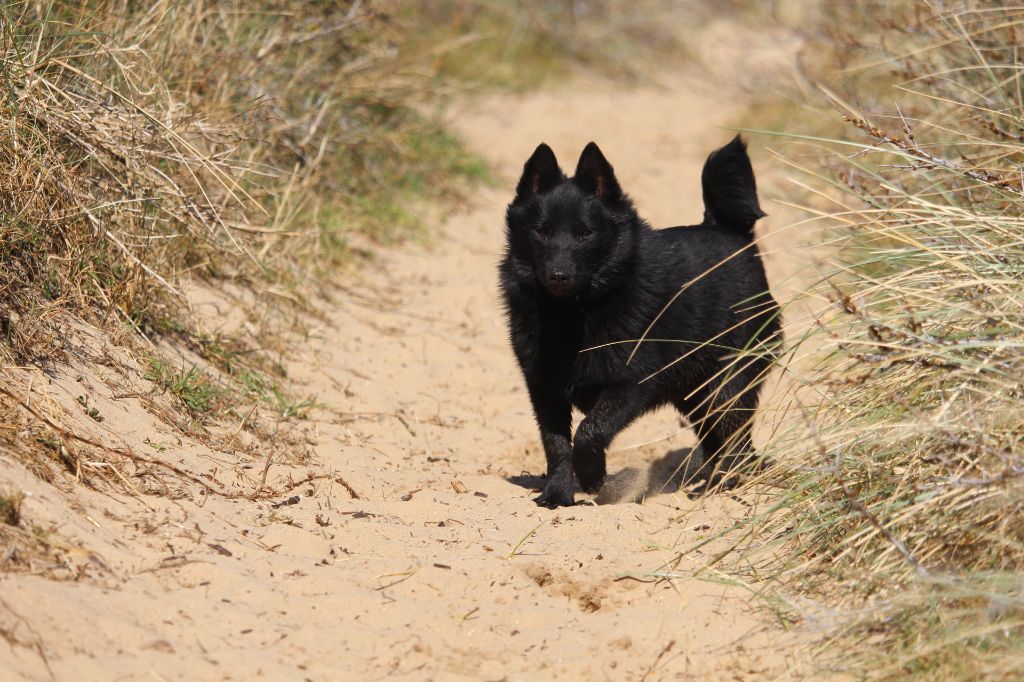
(427, 420)
(429, 345)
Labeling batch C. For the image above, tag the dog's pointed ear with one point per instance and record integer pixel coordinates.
(595, 175)
(540, 173)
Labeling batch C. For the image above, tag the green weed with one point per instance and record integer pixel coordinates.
(92, 412)
(193, 387)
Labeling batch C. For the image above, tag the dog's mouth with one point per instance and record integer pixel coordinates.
(561, 289)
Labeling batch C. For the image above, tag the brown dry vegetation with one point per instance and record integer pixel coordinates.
(905, 508)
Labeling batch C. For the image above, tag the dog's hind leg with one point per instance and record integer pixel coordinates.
(614, 410)
(722, 416)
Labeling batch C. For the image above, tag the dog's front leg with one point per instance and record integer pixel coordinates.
(554, 417)
(615, 409)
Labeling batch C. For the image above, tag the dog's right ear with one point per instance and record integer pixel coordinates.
(540, 173)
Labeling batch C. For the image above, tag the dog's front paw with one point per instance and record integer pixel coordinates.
(557, 493)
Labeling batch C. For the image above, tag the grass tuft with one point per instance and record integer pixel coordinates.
(192, 386)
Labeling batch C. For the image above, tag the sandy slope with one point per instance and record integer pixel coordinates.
(442, 568)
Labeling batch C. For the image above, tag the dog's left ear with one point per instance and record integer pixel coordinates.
(595, 175)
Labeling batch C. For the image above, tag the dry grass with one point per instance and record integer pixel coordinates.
(144, 146)
(905, 502)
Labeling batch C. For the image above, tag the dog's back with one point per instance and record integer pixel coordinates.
(695, 291)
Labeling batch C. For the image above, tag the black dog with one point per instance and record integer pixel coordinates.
(584, 279)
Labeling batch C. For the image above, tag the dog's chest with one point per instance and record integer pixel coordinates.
(583, 353)
(601, 357)
(600, 362)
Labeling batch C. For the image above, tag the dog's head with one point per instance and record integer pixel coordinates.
(573, 236)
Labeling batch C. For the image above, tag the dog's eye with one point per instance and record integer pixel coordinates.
(585, 234)
(543, 230)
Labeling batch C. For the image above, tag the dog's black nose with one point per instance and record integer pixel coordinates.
(558, 277)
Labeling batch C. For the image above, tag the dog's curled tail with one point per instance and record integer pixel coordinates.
(730, 193)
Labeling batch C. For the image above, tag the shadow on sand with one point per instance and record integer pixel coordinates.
(633, 484)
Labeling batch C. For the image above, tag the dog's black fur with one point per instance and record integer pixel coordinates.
(584, 278)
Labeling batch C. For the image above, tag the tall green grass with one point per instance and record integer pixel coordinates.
(904, 502)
